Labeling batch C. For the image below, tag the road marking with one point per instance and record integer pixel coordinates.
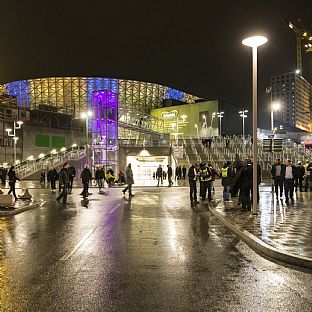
(70, 253)
(115, 208)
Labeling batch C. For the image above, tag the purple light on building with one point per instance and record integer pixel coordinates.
(104, 125)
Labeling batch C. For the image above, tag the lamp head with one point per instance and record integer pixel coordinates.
(276, 106)
(254, 41)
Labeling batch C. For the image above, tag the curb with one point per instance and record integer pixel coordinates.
(19, 210)
(261, 247)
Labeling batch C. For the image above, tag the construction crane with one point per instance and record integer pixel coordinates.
(304, 38)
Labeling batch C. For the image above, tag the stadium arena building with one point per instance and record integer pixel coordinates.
(118, 117)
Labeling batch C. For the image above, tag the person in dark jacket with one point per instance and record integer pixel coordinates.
(71, 174)
(169, 173)
(52, 177)
(300, 171)
(159, 175)
(246, 175)
(192, 174)
(4, 173)
(85, 177)
(99, 176)
(184, 172)
(12, 180)
(64, 181)
(278, 173)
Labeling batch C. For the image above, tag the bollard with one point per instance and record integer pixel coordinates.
(26, 195)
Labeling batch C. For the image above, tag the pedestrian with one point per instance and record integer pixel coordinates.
(52, 177)
(177, 173)
(308, 175)
(71, 174)
(205, 175)
(246, 173)
(42, 177)
(4, 173)
(226, 174)
(64, 181)
(278, 173)
(214, 174)
(169, 174)
(300, 171)
(109, 177)
(180, 172)
(192, 174)
(99, 176)
(12, 180)
(129, 181)
(289, 180)
(184, 172)
(159, 175)
(85, 177)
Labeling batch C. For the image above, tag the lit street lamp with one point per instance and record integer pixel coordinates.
(213, 115)
(16, 125)
(86, 115)
(220, 116)
(254, 42)
(243, 115)
(196, 131)
(274, 107)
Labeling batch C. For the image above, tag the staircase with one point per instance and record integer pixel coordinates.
(30, 166)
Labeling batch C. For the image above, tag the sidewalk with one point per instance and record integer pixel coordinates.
(279, 230)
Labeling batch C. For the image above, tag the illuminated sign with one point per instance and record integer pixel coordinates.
(168, 115)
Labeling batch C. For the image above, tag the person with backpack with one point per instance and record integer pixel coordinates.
(169, 173)
(52, 177)
(299, 176)
(246, 173)
(99, 176)
(86, 177)
(71, 174)
(64, 181)
(205, 175)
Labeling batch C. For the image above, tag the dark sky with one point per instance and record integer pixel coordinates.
(192, 45)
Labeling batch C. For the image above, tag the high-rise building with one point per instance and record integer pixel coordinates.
(294, 95)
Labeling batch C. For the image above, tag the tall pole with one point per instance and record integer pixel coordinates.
(87, 139)
(254, 131)
(272, 112)
(243, 125)
(220, 117)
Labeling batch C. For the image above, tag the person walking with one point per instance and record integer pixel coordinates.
(85, 177)
(177, 173)
(71, 174)
(52, 177)
(300, 171)
(12, 180)
(169, 174)
(278, 173)
(129, 181)
(184, 172)
(308, 175)
(159, 175)
(192, 175)
(99, 176)
(226, 174)
(180, 173)
(64, 181)
(214, 174)
(289, 180)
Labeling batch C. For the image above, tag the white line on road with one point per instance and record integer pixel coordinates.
(115, 208)
(70, 253)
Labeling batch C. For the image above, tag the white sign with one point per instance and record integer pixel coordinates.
(168, 115)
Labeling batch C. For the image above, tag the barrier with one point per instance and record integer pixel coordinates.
(26, 195)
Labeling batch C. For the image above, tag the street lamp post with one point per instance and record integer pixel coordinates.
(243, 114)
(220, 116)
(86, 115)
(254, 42)
(16, 125)
(213, 115)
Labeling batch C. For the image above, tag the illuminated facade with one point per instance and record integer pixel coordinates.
(73, 95)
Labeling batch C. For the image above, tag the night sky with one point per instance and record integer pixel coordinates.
(191, 45)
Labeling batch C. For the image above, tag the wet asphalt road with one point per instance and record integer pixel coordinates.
(150, 253)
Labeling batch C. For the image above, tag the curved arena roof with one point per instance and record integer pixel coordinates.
(74, 94)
